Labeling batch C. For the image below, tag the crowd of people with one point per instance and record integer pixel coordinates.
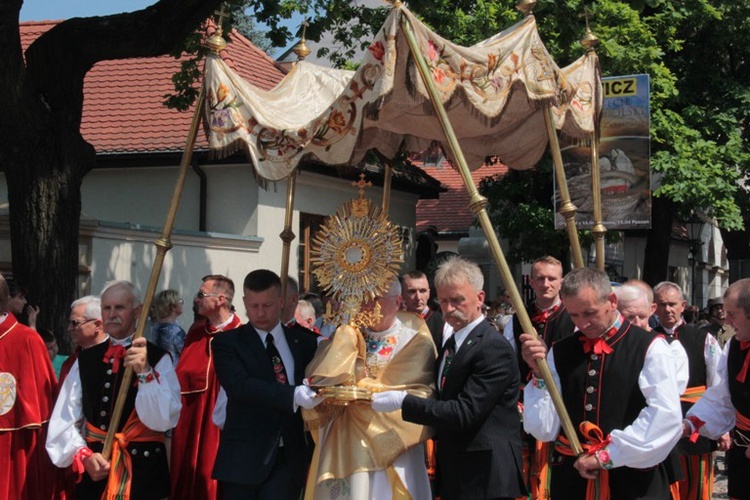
(458, 401)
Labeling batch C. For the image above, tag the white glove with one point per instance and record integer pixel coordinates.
(388, 400)
(306, 397)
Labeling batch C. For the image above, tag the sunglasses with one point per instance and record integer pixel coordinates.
(202, 295)
(75, 323)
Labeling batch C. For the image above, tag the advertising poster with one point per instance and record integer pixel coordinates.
(623, 160)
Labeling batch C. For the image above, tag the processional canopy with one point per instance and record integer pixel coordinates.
(494, 93)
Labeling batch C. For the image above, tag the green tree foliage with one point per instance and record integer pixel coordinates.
(520, 206)
(695, 55)
(693, 50)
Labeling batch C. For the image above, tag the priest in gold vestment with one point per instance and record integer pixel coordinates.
(361, 454)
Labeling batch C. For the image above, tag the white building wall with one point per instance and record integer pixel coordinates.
(138, 196)
(123, 252)
(124, 211)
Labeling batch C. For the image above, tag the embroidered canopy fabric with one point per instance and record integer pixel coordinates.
(494, 93)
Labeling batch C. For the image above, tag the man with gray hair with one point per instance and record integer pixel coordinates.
(87, 398)
(85, 328)
(27, 386)
(633, 304)
(703, 353)
(475, 413)
(726, 406)
(304, 315)
(618, 380)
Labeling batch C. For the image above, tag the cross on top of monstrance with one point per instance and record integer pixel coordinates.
(362, 184)
(361, 206)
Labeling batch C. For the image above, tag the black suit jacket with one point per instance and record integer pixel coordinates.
(476, 416)
(259, 409)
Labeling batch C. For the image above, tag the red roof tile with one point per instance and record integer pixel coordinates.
(122, 107)
(450, 213)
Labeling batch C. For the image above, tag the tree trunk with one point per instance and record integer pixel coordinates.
(44, 157)
(45, 206)
(658, 240)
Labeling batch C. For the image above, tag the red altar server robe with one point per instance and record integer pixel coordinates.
(195, 440)
(27, 389)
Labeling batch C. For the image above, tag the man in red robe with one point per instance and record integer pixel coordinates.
(196, 438)
(27, 388)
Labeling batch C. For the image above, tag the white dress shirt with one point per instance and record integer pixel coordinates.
(711, 353)
(279, 339)
(459, 338)
(715, 406)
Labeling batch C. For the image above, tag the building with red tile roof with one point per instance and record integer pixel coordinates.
(227, 222)
(123, 109)
(450, 215)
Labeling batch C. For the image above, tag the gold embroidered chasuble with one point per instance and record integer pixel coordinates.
(360, 439)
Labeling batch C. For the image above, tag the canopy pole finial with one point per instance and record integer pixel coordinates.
(589, 40)
(301, 48)
(599, 230)
(216, 42)
(394, 3)
(526, 6)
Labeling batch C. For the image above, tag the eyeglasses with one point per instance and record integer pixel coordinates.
(75, 323)
(202, 295)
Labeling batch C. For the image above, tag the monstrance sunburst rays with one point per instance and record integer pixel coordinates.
(356, 254)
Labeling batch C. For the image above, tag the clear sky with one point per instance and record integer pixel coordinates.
(41, 10)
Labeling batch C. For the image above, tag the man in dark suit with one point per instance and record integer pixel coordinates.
(415, 293)
(476, 414)
(263, 450)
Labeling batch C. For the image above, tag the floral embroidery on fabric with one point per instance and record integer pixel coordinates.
(379, 351)
(381, 346)
(377, 50)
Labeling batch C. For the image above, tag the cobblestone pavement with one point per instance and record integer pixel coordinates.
(720, 479)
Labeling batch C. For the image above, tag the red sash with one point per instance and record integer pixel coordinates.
(596, 489)
(121, 470)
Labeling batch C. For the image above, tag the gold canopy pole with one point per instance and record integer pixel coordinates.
(163, 245)
(567, 209)
(478, 205)
(287, 235)
(387, 175)
(589, 41)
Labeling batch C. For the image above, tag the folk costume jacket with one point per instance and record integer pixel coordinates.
(703, 354)
(89, 394)
(629, 393)
(726, 407)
